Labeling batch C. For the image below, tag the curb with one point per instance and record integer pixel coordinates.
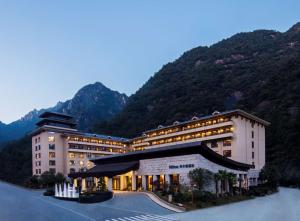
(164, 203)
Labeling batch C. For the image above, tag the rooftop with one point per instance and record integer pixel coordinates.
(215, 114)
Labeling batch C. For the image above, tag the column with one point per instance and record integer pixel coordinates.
(133, 182)
(109, 186)
(96, 182)
(154, 182)
(144, 182)
(167, 181)
(75, 184)
(123, 182)
(83, 183)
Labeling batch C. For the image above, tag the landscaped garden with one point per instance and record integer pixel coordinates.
(211, 189)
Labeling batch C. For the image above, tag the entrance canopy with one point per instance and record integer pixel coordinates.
(109, 170)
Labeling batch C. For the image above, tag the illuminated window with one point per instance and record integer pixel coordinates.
(72, 155)
(81, 163)
(227, 153)
(51, 154)
(72, 162)
(51, 139)
(226, 143)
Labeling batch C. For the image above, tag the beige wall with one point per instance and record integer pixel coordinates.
(242, 142)
(44, 151)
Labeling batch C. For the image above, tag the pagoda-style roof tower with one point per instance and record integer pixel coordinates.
(57, 120)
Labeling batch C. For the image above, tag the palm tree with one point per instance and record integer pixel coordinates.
(217, 179)
(223, 175)
(231, 181)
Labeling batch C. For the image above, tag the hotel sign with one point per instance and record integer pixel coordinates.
(181, 166)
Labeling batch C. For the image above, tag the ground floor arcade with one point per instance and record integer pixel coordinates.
(160, 169)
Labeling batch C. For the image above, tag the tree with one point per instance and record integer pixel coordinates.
(217, 179)
(223, 178)
(231, 181)
(270, 176)
(33, 182)
(59, 178)
(101, 185)
(200, 177)
(48, 179)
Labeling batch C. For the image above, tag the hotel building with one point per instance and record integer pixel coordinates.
(232, 140)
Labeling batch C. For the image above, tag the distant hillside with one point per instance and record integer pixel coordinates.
(257, 71)
(92, 103)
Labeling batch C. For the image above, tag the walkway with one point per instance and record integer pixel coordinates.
(282, 206)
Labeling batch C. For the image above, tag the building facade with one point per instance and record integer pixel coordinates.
(57, 145)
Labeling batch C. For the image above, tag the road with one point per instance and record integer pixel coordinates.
(18, 204)
(282, 206)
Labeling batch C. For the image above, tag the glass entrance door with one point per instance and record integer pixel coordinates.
(116, 183)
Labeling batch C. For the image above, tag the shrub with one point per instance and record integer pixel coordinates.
(182, 197)
(207, 197)
(101, 185)
(49, 192)
(33, 182)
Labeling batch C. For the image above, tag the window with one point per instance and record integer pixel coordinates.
(252, 144)
(36, 148)
(72, 170)
(252, 155)
(40, 163)
(51, 162)
(89, 155)
(227, 153)
(51, 154)
(39, 155)
(51, 139)
(51, 146)
(35, 140)
(72, 155)
(39, 147)
(37, 171)
(214, 144)
(81, 162)
(252, 125)
(39, 139)
(72, 162)
(52, 170)
(40, 171)
(226, 143)
(252, 134)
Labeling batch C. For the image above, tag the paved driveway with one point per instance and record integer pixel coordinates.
(282, 206)
(18, 204)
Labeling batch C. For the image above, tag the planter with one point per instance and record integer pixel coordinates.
(96, 197)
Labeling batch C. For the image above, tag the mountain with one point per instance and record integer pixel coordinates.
(256, 71)
(92, 102)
